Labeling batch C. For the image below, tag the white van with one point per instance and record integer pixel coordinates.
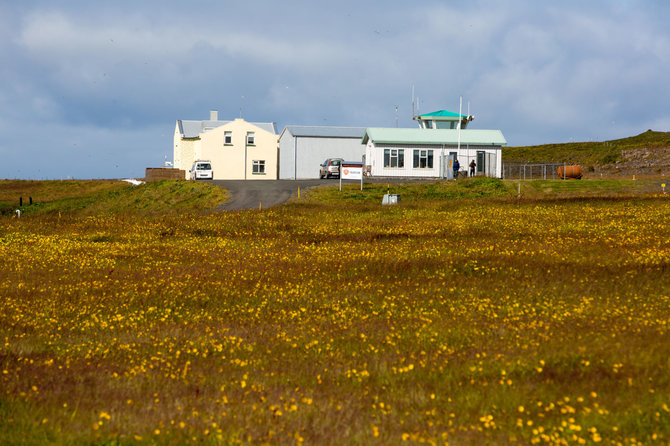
(202, 170)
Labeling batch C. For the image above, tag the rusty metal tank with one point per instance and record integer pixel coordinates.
(570, 172)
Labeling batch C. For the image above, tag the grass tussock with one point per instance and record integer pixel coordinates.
(468, 321)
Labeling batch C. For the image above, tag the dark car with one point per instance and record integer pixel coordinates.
(330, 168)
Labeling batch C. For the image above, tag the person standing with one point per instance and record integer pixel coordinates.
(472, 168)
(457, 167)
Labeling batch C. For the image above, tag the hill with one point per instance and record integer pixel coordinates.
(645, 154)
(95, 197)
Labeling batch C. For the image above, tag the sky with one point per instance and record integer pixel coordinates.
(93, 89)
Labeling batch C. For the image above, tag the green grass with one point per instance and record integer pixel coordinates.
(413, 192)
(603, 188)
(587, 154)
(463, 314)
(107, 197)
(434, 320)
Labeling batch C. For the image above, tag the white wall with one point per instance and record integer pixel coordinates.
(375, 159)
(301, 156)
(184, 154)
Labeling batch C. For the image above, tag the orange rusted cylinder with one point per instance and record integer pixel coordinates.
(570, 172)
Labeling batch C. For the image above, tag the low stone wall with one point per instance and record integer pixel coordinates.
(162, 173)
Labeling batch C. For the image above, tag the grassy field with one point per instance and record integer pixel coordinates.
(464, 316)
(588, 154)
(112, 197)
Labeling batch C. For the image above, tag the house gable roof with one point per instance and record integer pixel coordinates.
(324, 131)
(193, 129)
(433, 136)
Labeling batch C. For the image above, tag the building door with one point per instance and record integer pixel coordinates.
(481, 161)
(448, 166)
(491, 164)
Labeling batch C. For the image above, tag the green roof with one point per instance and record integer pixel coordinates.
(442, 114)
(433, 136)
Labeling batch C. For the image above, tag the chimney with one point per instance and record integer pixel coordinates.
(213, 115)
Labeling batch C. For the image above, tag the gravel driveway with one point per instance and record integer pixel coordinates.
(250, 194)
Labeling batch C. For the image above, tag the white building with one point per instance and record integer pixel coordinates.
(430, 150)
(303, 148)
(393, 152)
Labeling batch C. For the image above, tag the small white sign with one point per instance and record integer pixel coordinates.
(352, 173)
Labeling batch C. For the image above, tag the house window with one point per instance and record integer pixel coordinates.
(258, 167)
(423, 159)
(228, 138)
(394, 158)
(251, 139)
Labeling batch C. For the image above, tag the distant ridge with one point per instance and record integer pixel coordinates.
(645, 154)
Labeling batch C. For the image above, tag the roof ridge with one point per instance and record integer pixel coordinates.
(335, 126)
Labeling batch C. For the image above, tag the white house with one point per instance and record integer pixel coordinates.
(237, 149)
(303, 148)
(423, 152)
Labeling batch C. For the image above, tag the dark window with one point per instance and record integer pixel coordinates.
(258, 167)
(423, 159)
(394, 158)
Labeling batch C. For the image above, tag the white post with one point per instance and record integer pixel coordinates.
(460, 107)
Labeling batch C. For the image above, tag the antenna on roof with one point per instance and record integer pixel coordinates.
(413, 115)
(396, 116)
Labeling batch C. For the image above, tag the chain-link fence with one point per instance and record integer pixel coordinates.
(527, 171)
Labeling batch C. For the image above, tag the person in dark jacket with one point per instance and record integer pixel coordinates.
(457, 167)
(472, 168)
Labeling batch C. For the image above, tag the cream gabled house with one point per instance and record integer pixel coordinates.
(238, 150)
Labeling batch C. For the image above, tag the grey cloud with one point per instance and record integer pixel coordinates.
(118, 75)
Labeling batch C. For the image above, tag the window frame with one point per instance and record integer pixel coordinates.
(251, 138)
(258, 167)
(227, 138)
(391, 155)
(425, 155)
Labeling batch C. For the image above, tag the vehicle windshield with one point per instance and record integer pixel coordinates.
(335, 163)
(203, 167)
